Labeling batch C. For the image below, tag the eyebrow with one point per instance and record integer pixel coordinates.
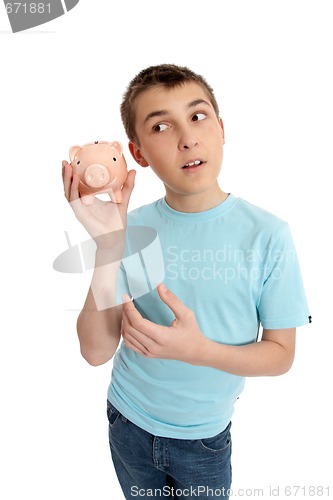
(165, 112)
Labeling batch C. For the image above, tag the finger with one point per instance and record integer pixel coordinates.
(66, 178)
(140, 341)
(140, 324)
(63, 165)
(135, 337)
(125, 320)
(135, 348)
(129, 309)
(130, 313)
(74, 191)
(179, 309)
(128, 187)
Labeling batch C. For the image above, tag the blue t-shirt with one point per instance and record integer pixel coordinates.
(235, 266)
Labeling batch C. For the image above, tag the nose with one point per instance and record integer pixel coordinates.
(187, 140)
(96, 175)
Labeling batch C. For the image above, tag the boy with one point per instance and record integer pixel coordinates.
(189, 343)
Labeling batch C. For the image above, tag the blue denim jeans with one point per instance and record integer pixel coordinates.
(150, 466)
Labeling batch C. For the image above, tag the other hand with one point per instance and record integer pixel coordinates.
(182, 340)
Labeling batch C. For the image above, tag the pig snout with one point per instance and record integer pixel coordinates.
(96, 175)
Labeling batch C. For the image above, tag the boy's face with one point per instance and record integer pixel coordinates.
(180, 137)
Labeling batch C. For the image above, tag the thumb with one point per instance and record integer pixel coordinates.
(128, 186)
(173, 302)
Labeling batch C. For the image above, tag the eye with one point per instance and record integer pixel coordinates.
(198, 116)
(78, 162)
(114, 159)
(160, 127)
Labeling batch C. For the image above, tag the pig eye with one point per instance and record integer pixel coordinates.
(78, 162)
(114, 159)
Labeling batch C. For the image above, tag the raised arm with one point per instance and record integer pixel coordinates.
(98, 324)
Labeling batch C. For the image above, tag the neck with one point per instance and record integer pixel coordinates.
(197, 202)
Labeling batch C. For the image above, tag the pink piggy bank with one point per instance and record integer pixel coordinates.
(102, 169)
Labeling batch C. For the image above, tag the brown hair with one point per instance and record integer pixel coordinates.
(167, 75)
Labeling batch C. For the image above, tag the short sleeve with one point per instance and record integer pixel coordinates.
(283, 302)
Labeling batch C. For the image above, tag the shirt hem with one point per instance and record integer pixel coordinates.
(285, 323)
(166, 433)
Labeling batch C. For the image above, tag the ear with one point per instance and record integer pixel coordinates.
(118, 146)
(222, 129)
(136, 153)
(73, 150)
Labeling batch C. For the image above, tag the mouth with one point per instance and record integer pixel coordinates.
(193, 165)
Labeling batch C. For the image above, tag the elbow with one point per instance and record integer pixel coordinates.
(284, 366)
(287, 367)
(95, 359)
(280, 345)
(282, 370)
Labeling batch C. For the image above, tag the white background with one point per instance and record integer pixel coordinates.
(61, 84)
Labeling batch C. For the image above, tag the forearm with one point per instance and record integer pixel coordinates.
(264, 358)
(99, 322)
(184, 341)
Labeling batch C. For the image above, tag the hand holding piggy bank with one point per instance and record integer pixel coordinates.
(101, 167)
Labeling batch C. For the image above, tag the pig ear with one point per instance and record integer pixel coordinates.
(118, 146)
(73, 150)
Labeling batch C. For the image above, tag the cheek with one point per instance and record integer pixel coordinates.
(160, 158)
(161, 171)
(218, 142)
